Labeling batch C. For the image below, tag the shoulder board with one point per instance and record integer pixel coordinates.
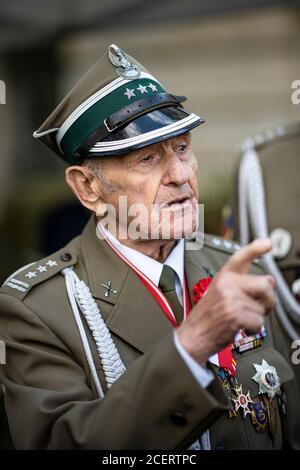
(221, 244)
(226, 246)
(21, 281)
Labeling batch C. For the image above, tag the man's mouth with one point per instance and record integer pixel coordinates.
(177, 202)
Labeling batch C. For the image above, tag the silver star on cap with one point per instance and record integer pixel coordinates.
(129, 93)
(267, 378)
(142, 88)
(153, 87)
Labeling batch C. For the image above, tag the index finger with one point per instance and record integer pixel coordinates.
(241, 261)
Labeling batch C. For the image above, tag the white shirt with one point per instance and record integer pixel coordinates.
(153, 269)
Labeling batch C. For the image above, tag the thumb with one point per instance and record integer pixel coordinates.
(241, 261)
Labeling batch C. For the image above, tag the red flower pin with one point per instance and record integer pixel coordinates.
(225, 359)
(199, 289)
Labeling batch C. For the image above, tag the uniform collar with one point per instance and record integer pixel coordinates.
(149, 266)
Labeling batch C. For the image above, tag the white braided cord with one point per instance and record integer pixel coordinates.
(80, 296)
(70, 290)
(252, 207)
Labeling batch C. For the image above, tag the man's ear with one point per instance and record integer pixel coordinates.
(85, 185)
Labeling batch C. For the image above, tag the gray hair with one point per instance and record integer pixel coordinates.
(96, 165)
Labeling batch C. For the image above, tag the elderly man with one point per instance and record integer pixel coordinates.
(133, 336)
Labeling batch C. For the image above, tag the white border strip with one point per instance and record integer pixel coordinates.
(120, 144)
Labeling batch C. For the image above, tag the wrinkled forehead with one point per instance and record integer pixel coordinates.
(162, 145)
(119, 161)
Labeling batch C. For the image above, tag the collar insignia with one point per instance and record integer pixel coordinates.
(108, 288)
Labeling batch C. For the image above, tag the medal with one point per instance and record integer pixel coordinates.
(223, 376)
(241, 400)
(271, 412)
(267, 378)
(259, 415)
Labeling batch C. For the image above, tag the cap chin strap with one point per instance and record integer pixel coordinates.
(252, 213)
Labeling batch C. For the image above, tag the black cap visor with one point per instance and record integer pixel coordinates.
(155, 126)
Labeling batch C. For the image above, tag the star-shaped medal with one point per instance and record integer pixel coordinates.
(241, 401)
(267, 378)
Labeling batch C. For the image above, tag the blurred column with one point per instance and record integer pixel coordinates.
(32, 77)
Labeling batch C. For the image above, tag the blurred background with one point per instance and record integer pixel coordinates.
(234, 59)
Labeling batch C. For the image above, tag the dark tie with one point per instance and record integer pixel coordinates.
(167, 285)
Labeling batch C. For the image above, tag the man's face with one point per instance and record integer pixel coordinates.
(160, 186)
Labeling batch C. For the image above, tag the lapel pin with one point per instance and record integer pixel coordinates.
(108, 288)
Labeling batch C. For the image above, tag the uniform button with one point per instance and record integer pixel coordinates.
(66, 257)
(178, 418)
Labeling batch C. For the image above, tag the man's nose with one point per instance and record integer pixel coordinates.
(175, 172)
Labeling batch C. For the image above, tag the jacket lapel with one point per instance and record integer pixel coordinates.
(137, 317)
(196, 267)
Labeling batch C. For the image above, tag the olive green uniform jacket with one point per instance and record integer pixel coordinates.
(50, 396)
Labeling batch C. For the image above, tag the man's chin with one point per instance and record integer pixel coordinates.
(174, 232)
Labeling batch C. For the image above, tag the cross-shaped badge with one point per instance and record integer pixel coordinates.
(108, 288)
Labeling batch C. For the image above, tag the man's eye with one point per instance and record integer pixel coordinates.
(147, 159)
